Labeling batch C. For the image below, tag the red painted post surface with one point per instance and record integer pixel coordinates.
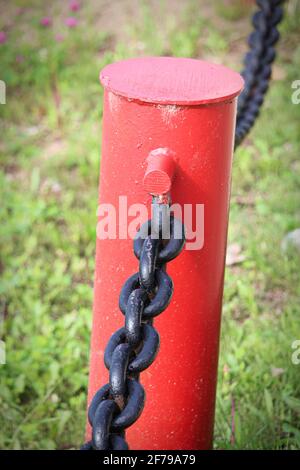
(189, 107)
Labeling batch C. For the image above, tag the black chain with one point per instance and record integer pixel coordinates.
(258, 64)
(131, 349)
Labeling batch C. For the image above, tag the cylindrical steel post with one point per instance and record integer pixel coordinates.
(189, 107)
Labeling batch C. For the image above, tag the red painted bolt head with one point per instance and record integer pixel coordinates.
(160, 171)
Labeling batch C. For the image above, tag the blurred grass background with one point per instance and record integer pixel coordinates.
(50, 155)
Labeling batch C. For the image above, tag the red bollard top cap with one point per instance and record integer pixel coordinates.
(170, 80)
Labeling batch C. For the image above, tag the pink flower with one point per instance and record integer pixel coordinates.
(71, 22)
(59, 38)
(3, 37)
(20, 11)
(46, 21)
(74, 5)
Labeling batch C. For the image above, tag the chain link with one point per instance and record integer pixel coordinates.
(258, 64)
(133, 348)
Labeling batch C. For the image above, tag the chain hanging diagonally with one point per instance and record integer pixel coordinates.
(133, 348)
(258, 64)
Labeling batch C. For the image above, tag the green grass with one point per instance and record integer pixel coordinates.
(50, 149)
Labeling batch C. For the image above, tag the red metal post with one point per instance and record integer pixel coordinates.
(189, 107)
